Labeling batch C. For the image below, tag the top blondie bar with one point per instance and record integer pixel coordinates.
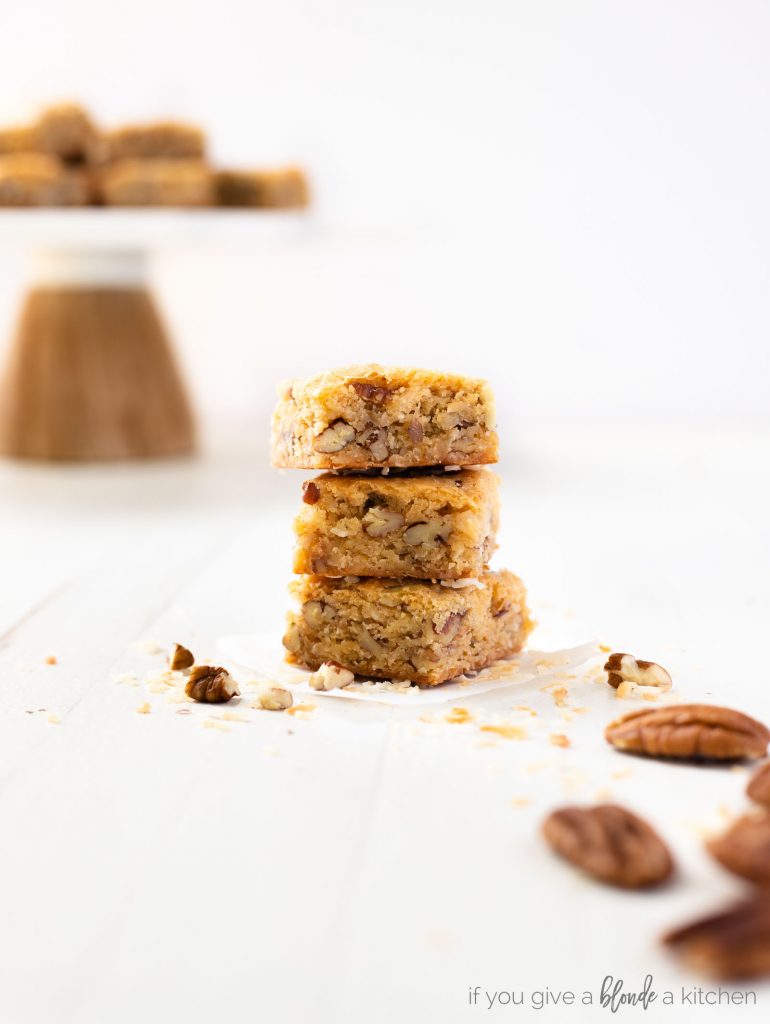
(375, 417)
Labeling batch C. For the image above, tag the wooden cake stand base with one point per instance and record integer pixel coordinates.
(91, 373)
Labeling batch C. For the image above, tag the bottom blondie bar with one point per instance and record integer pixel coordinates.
(36, 179)
(282, 188)
(407, 629)
(157, 183)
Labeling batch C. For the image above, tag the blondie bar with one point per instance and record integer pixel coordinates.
(283, 188)
(165, 140)
(407, 629)
(369, 416)
(36, 179)
(67, 131)
(18, 139)
(156, 183)
(428, 527)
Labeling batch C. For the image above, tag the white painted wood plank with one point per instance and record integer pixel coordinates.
(360, 864)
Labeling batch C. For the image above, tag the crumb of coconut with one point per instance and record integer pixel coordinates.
(230, 716)
(143, 709)
(558, 739)
(605, 648)
(559, 696)
(212, 723)
(161, 682)
(54, 720)
(458, 716)
(150, 647)
(302, 710)
(506, 730)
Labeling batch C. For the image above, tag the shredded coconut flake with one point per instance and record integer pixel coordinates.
(462, 584)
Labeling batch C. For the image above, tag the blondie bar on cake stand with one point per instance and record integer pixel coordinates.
(91, 372)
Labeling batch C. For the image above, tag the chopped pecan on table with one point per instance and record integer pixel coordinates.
(210, 685)
(331, 676)
(744, 848)
(180, 659)
(731, 944)
(631, 676)
(611, 844)
(758, 788)
(274, 698)
(700, 732)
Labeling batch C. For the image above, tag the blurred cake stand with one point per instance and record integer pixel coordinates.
(91, 372)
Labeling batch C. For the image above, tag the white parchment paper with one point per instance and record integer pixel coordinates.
(262, 654)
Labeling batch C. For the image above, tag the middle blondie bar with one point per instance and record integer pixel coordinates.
(440, 526)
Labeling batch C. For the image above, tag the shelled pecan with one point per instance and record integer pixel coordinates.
(701, 732)
(611, 844)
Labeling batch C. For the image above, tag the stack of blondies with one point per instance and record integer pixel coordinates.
(64, 159)
(394, 540)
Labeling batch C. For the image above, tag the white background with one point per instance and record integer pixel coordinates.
(569, 197)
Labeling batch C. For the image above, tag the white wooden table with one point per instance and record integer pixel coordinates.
(359, 863)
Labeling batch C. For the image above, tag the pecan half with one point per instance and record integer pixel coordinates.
(744, 848)
(210, 685)
(758, 788)
(631, 676)
(700, 732)
(611, 844)
(732, 944)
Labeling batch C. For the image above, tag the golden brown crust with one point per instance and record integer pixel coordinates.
(156, 183)
(441, 526)
(36, 179)
(18, 139)
(370, 416)
(281, 188)
(161, 140)
(67, 131)
(407, 629)
(700, 732)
